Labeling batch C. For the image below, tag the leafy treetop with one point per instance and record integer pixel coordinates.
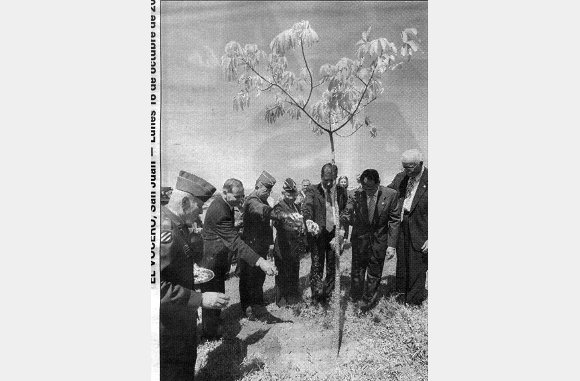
(350, 84)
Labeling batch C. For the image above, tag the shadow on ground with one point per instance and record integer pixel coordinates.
(226, 361)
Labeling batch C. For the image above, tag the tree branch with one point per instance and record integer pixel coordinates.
(319, 83)
(346, 136)
(267, 88)
(360, 79)
(287, 94)
(359, 101)
(309, 72)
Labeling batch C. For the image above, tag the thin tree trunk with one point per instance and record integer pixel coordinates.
(336, 310)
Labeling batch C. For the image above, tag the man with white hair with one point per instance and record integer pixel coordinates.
(179, 303)
(220, 237)
(412, 248)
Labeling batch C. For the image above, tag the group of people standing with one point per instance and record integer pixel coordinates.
(386, 222)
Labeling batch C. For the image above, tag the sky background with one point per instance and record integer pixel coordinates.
(202, 134)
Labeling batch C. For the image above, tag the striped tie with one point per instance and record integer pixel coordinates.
(371, 207)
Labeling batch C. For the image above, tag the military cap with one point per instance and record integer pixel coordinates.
(289, 185)
(194, 185)
(266, 179)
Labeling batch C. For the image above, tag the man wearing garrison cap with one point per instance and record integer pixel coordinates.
(220, 238)
(179, 303)
(258, 235)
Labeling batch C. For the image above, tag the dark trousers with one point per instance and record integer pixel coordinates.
(215, 258)
(178, 352)
(287, 280)
(366, 261)
(251, 284)
(411, 267)
(321, 252)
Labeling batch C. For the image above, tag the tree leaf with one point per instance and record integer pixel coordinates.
(365, 35)
(333, 84)
(413, 45)
(375, 48)
(411, 31)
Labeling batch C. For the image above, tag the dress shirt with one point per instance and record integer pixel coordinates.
(328, 195)
(409, 200)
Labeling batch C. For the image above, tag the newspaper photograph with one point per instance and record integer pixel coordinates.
(289, 159)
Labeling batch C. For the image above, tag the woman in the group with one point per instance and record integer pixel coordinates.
(343, 183)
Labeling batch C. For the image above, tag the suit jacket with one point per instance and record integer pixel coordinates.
(384, 229)
(258, 232)
(314, 205)
(219, 226)
(287, 236)
(418, 213)
(179, 303)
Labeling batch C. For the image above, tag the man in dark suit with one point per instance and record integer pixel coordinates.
(220, 236)
(179, 303)
(318, 212)
(412, 246)
(374, 213)
(258, 235)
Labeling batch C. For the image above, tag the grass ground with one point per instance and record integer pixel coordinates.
(387, 343)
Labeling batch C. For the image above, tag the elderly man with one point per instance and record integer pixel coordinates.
(318, 212)
(258, 235)
(288, 247)
(220, 237)
(375, 216)
(412, 250)
(178, 308)
(301, 196)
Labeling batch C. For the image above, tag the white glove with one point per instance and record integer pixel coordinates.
(312, 227)
(268, 267)
(214, 300)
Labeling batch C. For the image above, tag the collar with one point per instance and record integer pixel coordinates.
(418, 177)
(173, 217)
(331, 190)
(225, 202)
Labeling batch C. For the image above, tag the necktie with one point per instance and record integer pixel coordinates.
(329, 212)
(371, 206)
(408, 193)
(410, 185)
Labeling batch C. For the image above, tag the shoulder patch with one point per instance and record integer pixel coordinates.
(166, 236)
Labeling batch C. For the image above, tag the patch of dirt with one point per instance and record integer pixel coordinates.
(301, 346)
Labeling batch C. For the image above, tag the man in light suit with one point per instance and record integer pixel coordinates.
(375, 215)
(412, 247)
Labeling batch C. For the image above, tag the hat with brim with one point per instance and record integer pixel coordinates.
(194, 185)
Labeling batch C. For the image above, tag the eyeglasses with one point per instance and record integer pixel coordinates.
(410, 166)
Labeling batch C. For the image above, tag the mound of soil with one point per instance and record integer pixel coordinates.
(296, 345)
